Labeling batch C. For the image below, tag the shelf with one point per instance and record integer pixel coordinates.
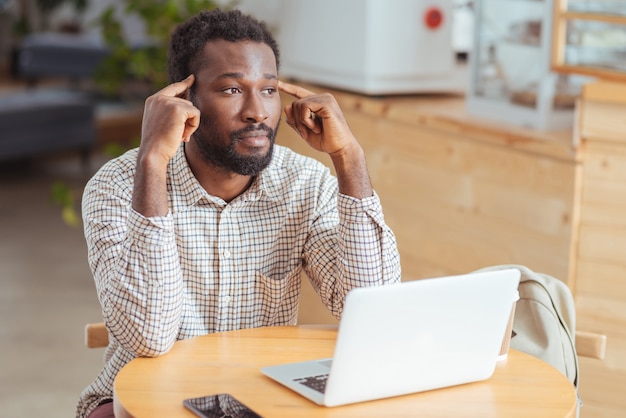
(589, 39)
(511, 78)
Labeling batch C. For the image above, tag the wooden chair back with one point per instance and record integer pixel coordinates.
(96, 335)
(590, 344)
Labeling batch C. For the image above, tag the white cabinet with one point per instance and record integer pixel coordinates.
(374, 47)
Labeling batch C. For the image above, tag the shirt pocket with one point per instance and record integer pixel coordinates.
(277, 298)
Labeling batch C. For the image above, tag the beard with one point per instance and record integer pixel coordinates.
(226, 157)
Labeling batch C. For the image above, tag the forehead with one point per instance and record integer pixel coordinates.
(220, 56)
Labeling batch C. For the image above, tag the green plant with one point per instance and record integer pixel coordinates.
(63, 196)
(147, 64)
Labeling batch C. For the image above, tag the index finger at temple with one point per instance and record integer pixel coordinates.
(296, 91)
(176, 89)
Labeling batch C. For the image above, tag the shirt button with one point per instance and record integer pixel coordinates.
(226, 299)
(226, 253)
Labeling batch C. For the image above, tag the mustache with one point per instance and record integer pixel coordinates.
(236, 135)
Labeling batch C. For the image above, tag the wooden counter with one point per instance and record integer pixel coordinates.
(463, 193)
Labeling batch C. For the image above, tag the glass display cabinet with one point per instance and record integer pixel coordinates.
(510, 75)
(589, 37)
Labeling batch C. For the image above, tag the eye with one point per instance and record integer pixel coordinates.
(231, 90)
(270, 90)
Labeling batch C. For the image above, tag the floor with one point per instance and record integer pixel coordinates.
(47, 293)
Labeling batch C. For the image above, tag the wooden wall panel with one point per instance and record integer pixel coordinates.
(603, 382)
(601, 255)
(601, 278)
(597, 121)
(475, 203)
(600, 395)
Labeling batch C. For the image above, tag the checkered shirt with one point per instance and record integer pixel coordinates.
(211, 266)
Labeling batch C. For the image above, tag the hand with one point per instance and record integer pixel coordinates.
(168, 119)
(318, 119)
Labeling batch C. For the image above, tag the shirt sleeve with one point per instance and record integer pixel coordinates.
(349, 246)
(136, 268)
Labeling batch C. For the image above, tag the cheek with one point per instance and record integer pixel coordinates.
(220, 111)
(276, 110)
(219, 118)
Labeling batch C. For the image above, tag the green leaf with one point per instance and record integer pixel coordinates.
(70, 216)
(61, 194)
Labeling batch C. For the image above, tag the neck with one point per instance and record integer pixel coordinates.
(217, 181)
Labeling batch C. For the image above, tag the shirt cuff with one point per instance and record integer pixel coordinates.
(153, 231)
(353, 210)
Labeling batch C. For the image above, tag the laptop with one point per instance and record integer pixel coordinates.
(409, 337)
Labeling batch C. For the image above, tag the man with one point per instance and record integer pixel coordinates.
(207, 226)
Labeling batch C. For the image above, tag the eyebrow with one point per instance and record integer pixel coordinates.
(240, 76)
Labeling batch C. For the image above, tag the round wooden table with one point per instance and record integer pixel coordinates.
(229, 362)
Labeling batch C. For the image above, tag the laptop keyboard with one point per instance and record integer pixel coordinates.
(317, 383)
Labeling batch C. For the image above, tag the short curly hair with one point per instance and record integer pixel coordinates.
(189, 38)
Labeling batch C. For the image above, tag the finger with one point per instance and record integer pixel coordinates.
(303, 118)
(192, 123)
(288, 109)
(295, 91)
(294, 121)
(177, 89)
(308, 118)
(315, 123)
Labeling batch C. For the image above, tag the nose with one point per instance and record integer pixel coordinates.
(254, 110)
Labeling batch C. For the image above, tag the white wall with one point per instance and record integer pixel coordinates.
(266, 10)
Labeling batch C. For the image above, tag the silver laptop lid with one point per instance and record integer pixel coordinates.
(420, 335)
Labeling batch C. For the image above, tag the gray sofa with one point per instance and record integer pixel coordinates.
(36, 122)
(41, 120)
(69, 56)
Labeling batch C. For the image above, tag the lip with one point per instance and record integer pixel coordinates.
(257, 138)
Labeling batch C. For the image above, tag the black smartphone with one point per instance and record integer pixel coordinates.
(221, 405)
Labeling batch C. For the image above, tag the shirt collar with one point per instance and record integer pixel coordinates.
(185, 191)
